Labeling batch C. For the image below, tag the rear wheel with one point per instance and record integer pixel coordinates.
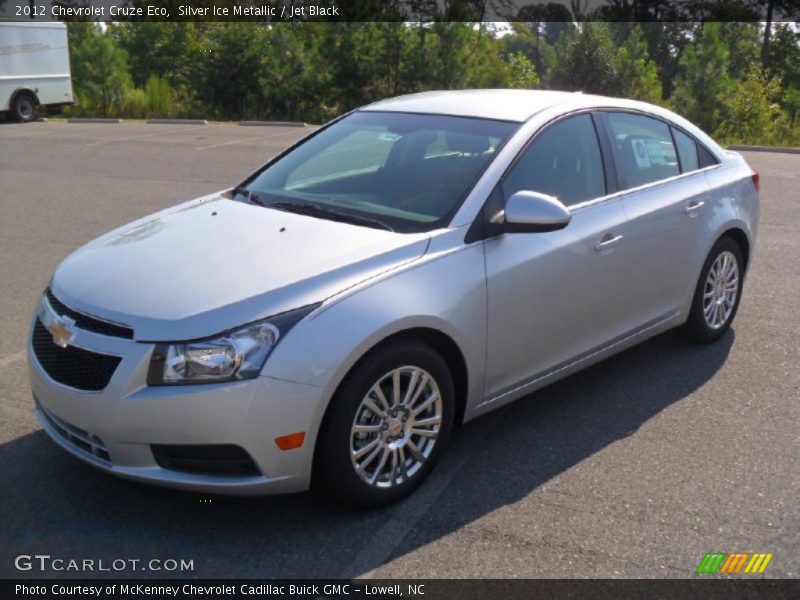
(716, 298)
(23, 107)
(387, 426)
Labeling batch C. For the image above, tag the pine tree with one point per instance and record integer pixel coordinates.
(638, 73)
(701, 88)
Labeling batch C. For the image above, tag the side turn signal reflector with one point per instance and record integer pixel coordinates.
(291, 441)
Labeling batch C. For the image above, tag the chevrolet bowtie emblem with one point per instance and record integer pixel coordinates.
(61, 330)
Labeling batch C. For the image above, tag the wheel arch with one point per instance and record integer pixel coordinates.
(740, 237)
(13, 98)
(440, 341)
(23, 90)
(739, 233)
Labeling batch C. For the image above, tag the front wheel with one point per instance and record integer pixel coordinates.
(387, 426)
(719, 289)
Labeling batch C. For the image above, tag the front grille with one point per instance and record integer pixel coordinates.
(211, 459)
(78, 438)
(86, 322)
(75, 367)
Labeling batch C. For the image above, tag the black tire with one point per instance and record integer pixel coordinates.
(696, 327)
(335, 473)
(23, 107)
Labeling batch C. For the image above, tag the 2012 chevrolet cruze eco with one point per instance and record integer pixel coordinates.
(408, 267)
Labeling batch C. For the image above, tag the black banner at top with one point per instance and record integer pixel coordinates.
(401, 10)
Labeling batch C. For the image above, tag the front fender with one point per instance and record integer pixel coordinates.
(445, 291)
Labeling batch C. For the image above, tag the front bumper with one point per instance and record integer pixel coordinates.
(114, 429)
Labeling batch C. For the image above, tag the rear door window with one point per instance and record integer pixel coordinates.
(643, 149)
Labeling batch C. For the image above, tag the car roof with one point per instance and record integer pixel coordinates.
(520, 106)
(501, 104)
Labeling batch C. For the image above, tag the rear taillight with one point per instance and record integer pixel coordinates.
(756, 180)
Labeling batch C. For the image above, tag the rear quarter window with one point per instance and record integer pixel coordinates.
(705, 158)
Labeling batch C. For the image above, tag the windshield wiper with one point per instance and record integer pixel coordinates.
(249, 194)
(313, 210)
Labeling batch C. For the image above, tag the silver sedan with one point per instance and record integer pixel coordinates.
(404, 269)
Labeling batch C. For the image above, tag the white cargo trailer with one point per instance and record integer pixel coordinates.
(34, 68)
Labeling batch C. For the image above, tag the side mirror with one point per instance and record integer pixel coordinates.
(532, 212)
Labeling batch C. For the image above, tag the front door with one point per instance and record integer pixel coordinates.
(556, 296)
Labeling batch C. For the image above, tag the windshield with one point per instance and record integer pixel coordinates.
(399, 171)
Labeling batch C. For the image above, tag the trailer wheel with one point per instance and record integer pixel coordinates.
(23, 107)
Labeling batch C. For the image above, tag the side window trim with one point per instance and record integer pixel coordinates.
(675, 145)
(698, 147)
(607, 148)
(606, 153)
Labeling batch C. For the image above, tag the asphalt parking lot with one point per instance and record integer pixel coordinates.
(635, 467)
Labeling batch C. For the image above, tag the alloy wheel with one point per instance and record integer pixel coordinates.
(721, 290)
(396, 427)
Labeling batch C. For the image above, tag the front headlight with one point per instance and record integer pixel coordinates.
(232, 355)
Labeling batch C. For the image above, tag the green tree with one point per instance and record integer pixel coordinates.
(742, 41)
(448, 55)
(99, 70)
(784, 61)
(484, 67)
(586, 61)
(228, 82)
(534, 47)
(393, 58)
(522, 72)
(790, 99)
(785, 54)
(295, 73)
(701, 88)
(174, 51)
(637, 72)
(159, 96)
(770, 11)
(546, 22)
(666, 42)
(312, 71)
(78, 31)
(355, 75)
(751, 108)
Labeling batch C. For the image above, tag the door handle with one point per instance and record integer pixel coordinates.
(608, 242)
(694, 206)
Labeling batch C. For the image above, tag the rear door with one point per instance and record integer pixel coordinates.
(663, 209)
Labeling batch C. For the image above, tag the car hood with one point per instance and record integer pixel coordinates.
(213, 264)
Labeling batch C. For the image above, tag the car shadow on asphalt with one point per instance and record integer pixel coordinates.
(52, 504)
